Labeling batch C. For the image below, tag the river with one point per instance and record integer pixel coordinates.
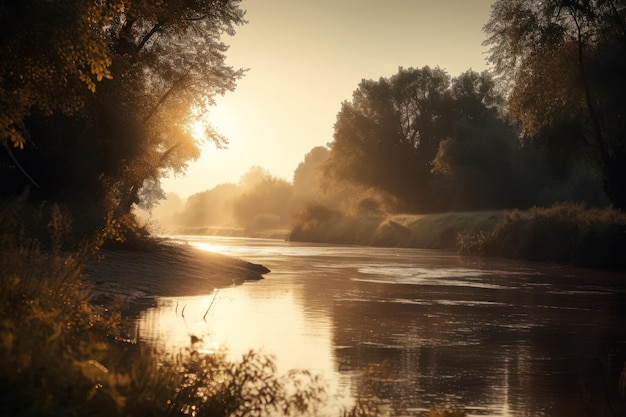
(493, 337)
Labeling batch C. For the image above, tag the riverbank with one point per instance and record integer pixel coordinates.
(564, 233)
(129, 280)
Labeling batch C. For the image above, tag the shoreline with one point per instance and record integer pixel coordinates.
(130, 280)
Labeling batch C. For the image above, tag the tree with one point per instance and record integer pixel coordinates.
(212, 207)
(564, 63)
(387, 136)
(307, 176)
(433, 142)
(52, 54)
(265, 204)
(480, 165)
(98, 129)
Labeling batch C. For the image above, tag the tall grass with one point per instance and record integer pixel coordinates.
(565, 233)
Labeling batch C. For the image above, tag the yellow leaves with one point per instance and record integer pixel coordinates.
(10, 132)
(17, 139)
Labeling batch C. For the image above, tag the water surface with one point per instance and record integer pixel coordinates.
(427, 328)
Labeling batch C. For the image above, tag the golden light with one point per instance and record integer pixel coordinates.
(217, 122)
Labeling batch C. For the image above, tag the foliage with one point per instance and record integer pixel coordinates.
(53, 53)
(122, 84)
(485, 168)
(307, 179)
(434, 143)
(388, 134)
(259, 203)
(265, 205)
(565, 233)
(564, 64)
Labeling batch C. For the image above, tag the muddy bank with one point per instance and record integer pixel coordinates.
(130, 280)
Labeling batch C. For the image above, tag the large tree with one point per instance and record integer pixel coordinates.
(387, 136)
(481, 165)
(101, 96)
(431, 141)
(564, 62)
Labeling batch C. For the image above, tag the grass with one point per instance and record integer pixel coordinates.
(564, 233)
(431, 231)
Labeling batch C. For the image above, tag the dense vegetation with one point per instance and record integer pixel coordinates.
(97, 99)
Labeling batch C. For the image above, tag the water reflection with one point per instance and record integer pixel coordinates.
(497, 338)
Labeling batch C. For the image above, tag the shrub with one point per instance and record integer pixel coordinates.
(564, 233)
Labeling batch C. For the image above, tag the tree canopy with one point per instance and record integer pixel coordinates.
(564, 62)
(98, 97)
(405, 135)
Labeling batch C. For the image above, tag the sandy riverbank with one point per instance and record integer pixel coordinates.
(131, 279)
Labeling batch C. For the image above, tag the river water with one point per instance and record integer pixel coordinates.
(494, 337)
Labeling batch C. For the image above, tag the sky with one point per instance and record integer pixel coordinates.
(306, 57)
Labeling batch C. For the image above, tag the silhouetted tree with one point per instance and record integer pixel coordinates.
(434, 143)
(307, 176)
(387, 136)
(564, 62)
(481, 165)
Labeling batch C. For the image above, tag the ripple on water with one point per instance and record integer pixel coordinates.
(457, 277)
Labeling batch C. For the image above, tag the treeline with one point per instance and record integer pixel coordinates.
(419, 141)
(259, 202)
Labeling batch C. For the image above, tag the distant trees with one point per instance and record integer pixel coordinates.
(564, 62)
(98, 98)
(307, 176)
(264, 203)
(259, 202)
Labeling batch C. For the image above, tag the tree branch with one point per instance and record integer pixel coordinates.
(618, 18)
(595, 121)
(168, 93)
(18, 165)
(147, 37)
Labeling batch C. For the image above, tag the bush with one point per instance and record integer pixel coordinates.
(564, 233)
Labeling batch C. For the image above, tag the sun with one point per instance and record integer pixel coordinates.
(215, 126)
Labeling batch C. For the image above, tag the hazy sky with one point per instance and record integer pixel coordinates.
(305, 57)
